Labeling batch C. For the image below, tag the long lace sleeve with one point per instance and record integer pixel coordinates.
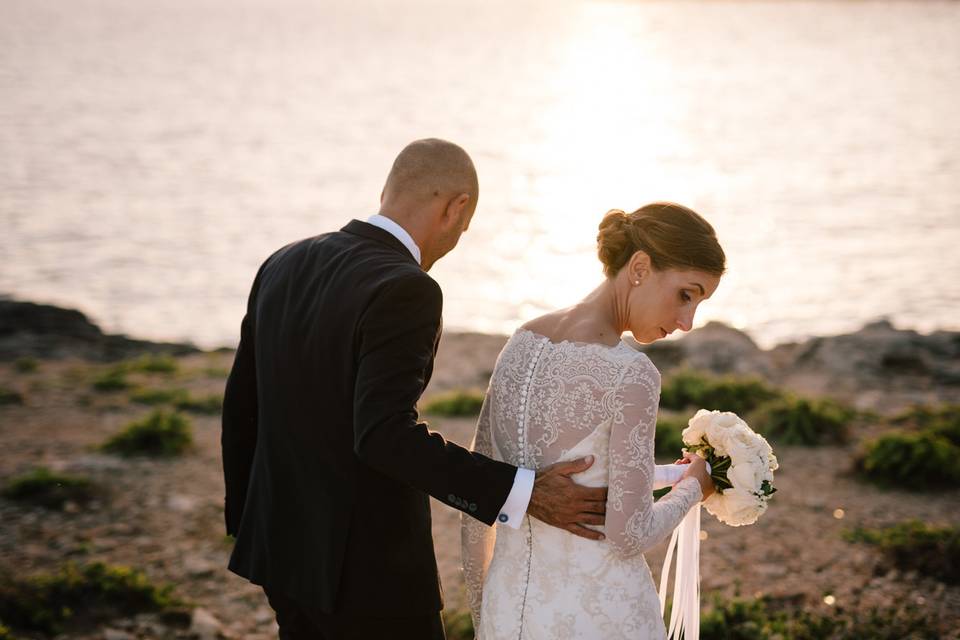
(476, 538)
(634, 522)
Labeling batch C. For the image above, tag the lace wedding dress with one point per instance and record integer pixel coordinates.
(550, 402)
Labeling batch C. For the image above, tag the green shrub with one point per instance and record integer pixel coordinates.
(456, 403)
(158, 396)
(5, 633)
(668, 440)
(458, 625)
(916, 546)
(688, 389)
(84, 595)
(216, 372)
(113, 379)
(914, 461)
(25, 365)
(763, 619)
(894, 623)
(150, 363)
(758, 619)
(48, 489)
(9, 396)
(159, 434)
(799, 421)
(943, 420)
(210, 405)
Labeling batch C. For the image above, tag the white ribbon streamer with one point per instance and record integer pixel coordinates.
(685, 610)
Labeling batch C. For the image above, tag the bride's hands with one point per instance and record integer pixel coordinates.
(561, 502)
(698, 470)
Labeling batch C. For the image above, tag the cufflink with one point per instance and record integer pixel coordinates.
(503, 517)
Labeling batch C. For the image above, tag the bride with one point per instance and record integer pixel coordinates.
(566, 386)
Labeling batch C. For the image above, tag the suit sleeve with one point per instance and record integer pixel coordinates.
(396, 339)
(238, 438)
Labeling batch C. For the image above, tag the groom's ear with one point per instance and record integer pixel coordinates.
(456, 208)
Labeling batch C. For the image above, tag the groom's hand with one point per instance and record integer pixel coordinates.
(561, 502)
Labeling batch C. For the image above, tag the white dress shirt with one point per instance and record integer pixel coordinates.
(513, 510)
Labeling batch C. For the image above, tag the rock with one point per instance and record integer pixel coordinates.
(878, 357)
(771, 570)
(181, 503)
(197, 566)
(715, 347)
(722, 349)
(204, 626)
(47, 331)
(179, 618)
(116, 634)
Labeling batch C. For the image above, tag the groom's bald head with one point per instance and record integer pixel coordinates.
(430, 168)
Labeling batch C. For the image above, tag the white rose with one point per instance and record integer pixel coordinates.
(746, 475)
(716, 435)
(739, 507)
(740, 437)
(774, 463)
(697, 427)
(727, 419)
(716, 506)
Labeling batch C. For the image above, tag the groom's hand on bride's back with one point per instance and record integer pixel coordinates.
(559, 501)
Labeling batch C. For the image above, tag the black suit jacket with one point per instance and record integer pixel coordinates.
(327, 467)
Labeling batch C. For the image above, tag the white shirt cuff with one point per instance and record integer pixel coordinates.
(513, 510)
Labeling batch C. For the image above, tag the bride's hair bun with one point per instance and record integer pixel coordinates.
(614, 244)
(674, 237)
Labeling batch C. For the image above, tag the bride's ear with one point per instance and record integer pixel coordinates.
(638, 267)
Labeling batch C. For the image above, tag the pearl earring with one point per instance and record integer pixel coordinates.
(636, 283)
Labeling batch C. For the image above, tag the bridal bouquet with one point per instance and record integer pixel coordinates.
(741, 461)
(741, 464)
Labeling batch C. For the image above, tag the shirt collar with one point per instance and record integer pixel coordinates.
(397, 232)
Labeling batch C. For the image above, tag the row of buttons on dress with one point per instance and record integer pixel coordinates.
(522, 412)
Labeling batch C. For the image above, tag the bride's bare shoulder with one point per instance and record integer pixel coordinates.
(572, 325)
(547, 324)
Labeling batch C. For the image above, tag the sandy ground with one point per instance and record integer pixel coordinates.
(165, 516)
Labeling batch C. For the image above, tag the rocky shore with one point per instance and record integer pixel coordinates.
(164, 515)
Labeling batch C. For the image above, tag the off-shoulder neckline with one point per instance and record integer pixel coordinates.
(574, 343)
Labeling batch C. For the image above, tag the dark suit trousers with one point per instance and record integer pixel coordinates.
(295, 624)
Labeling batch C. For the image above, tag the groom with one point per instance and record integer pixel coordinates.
(326, 464)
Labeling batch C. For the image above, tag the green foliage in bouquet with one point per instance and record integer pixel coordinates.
(719, 467)
(668, 441)
(917, 461)
(764, 619)
(799, 421)
(48, 489)
(456, 404)
(688, 389)
(159, 434)
(9, 396)
(80, 596)
(916, 546)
